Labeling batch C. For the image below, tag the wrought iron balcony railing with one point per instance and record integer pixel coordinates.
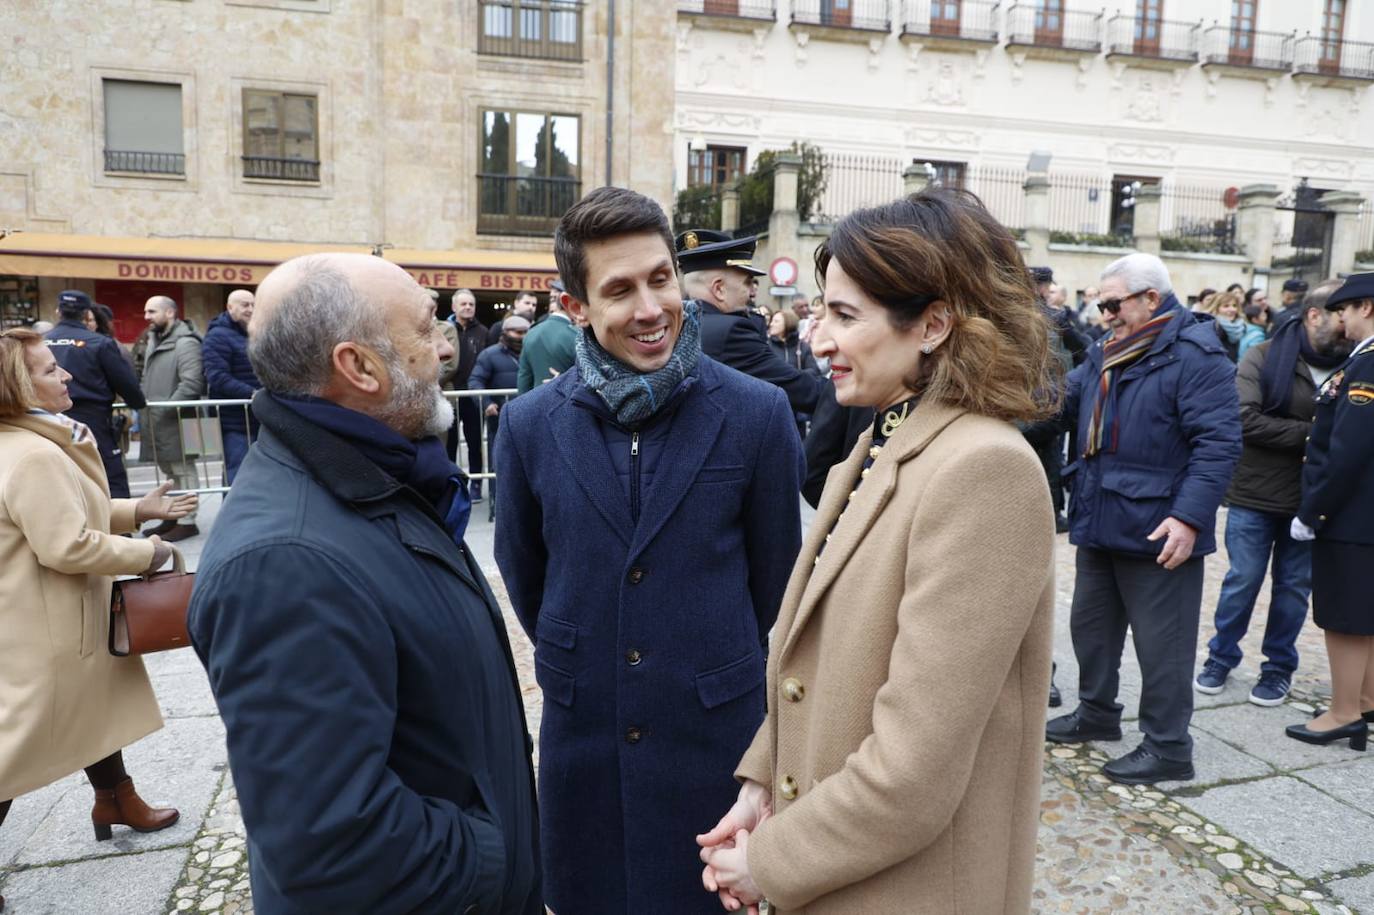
(1241, 48)
(969, 20)
(1158, 38)
(273, 167)
(542, 29)
(864, 15)
(766, 10)
(148, 163)
(1073, 30)
(1351, 59)
(518, 205)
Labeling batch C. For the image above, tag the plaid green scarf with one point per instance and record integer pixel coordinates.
(1117, 356)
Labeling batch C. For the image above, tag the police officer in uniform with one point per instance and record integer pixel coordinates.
(1338, 511)
(99, 372)
(716, 272)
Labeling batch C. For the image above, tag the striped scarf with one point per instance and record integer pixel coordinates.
(1117, 356)
(80, 431)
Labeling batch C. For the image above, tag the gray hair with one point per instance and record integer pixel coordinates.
(165, 302)
(1140, 272)
(291, 346)
(466, 292)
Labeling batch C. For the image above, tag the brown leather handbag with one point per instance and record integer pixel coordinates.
(148, 614)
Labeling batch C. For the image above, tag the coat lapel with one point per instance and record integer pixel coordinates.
(576, 437)
(691, 437)
(852, 519)
(86, 455)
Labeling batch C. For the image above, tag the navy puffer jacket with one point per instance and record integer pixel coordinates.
(1179, 441)
(228, 373)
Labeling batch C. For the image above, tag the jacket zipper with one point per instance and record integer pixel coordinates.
(634, 477)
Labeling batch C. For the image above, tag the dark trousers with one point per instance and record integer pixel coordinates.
(98, 418)
(1162, 608)
(470, 418)
(493, 426)
(1250, 538)
(235, 450)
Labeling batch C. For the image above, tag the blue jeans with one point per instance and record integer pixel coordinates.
(1250, 537)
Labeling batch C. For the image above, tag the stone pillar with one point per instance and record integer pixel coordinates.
(1036, 219)
(1146, 222)
(785, 220)
(1345, 231)
(729, 208)
(1255, 227)
(915, 178)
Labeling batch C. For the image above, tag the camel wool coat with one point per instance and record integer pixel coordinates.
(907, 681)
(65, 701)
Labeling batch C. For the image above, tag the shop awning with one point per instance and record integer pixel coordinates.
(229, 260)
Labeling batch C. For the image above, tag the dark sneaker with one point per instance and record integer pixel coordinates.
(1212, 678)
(1271, 689)
(1141, 767)
(1056, 700)
(475, 492)
(181, 532)
(1072, 729)
(159, 529)
(1061, 524)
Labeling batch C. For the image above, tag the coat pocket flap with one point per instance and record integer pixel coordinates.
(557, 684)
(1139, 482)
(556, 632)
(720, 474)
(719, 686)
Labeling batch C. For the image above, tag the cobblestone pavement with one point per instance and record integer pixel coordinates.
(1268, 826)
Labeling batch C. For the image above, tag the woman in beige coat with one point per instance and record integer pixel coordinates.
(898, 769)
(66, 703)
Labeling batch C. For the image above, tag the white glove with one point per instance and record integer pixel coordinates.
(1299, 531)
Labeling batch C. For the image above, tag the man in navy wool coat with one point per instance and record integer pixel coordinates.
(649, 523)
(358, 658)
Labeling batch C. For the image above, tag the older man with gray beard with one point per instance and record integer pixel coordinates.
(357, 655)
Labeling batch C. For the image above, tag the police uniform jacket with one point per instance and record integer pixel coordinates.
(647, 568)
(1338, 473)
(99, 370)
(740, 343)
(907, 679)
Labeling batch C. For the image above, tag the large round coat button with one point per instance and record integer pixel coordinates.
(787, 787)
(792, 690)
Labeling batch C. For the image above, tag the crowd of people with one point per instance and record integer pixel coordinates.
(852, 720)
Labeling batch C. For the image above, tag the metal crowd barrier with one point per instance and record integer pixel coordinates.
(201, 447)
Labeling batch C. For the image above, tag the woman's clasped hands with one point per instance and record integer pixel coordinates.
(725, 850)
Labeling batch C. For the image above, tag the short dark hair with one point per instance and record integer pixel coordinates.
(524, 292)
(604, 213)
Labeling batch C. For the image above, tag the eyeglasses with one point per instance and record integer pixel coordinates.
(1114, 305)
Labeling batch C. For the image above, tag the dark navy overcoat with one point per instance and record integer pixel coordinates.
(649, 637)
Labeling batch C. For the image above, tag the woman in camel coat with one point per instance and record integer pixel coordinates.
(899, 766)
(66, 703)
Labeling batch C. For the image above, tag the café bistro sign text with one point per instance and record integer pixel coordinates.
(252, 274)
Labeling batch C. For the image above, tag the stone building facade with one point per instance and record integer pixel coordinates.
(1200, 97)
(160, 145)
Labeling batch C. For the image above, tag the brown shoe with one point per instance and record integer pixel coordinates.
(121, 806)
(159, 529)
(180, 532)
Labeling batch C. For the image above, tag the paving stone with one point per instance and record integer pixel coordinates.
(1290, 821)
(137, 885)
(1356, 892)
(1259, 732)
(181, 765)
(1352, 782)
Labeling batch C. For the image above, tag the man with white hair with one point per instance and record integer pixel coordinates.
(357, 655)
(1158, 434)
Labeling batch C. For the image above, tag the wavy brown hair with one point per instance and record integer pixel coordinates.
(16, 383)
(943, 243)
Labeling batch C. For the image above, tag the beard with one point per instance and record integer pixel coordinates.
(418, 408)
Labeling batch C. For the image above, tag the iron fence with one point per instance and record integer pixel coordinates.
(854, 181)
(1198, 216)
(523, 205)
(1353, 59)
(1034, 25)
(281, 169)
(969, 20)
(1137, 36)
(738, 9)
(542, 29)
(148, 163)
(1246, 48)
(1000, 189)
(1080, 203)
(201, 447)
(864, 15)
